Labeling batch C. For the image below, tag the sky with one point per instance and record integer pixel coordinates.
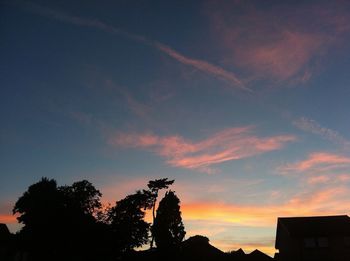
(244, 103)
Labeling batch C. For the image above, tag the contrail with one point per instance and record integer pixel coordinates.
(201, 65)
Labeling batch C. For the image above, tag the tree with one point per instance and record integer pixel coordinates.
(154, 187)
(41, 211)
(83, 196)
(127, 221)
(168, 228)
(56, 218)
(39, 206)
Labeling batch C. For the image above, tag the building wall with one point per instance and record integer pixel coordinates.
(294, 249)
(289, 248)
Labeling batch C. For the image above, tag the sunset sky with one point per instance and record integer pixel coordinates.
(246, 104)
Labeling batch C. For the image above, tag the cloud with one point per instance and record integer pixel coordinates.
(279, 43)
(7, 219)
(318, 162)
(264, 245)
(314, 127)
(201, 65)
(140, 109)
(204, 66)
(327, 201)
(229, 144)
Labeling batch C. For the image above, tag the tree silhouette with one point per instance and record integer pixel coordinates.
(154, 187)
(127, 221)
(83, 196)
(56, 218)
(38, 205)
(82, 204)
(168, 228)
(41, 210)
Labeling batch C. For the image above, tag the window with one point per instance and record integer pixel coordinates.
(309, 242)
(322, 242)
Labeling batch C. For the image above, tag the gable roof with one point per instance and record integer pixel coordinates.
(314, 226)
(257, 255)
(199, 247)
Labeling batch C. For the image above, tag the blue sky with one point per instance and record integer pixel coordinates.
(243, 103)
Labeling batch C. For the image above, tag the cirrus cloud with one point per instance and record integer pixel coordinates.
(317, 162)
(314, 127)
(229, 144)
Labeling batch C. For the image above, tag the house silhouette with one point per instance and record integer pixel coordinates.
(4, 233)
(320, 238)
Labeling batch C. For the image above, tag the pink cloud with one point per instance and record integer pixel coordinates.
(319, 161)
(284, 58)
(281, 43)
(328, 179)
(318, 180)
(226, 145)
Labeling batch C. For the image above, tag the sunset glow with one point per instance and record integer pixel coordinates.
(245, 104)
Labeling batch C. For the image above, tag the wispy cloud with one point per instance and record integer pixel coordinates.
(226, 145)
(204, 66)
(140, 109)
(314, 127)
(201, 65)
(317, 162)
(280, 43)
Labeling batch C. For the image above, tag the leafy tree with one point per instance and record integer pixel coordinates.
(154, 187)
(127, 221)
(56, 218)
(83, 196)
(39, 206)
(168, 228)
(41, 211)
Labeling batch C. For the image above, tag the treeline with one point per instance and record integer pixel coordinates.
(70, 223)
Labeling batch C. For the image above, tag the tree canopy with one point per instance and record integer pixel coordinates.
(168, 228)
(70, 219)
(127, 221)
(154, 187)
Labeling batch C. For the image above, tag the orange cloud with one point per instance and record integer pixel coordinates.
(229, 245)
(215, 218)
(323, 202)
(226, 145)
(7, 219)
(320, 161)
